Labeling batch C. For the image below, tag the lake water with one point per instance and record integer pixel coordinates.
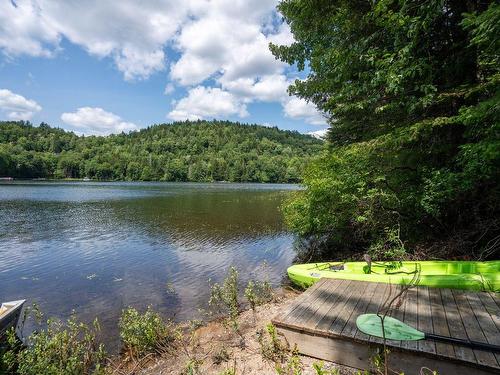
(97, 248)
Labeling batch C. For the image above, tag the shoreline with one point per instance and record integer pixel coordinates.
(8, 179)
(216, 348)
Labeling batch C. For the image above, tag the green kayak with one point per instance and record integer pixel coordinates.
(437, 274)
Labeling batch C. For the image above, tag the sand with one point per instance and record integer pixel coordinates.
(216, 347)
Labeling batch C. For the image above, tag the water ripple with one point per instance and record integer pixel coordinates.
(100, 247)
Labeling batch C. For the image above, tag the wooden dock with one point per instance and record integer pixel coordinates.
(322, 323)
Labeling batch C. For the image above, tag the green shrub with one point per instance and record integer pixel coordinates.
(258, 293)
(272, 349)
(145, 333)
(389, 246)
(320, 369)
(70, 348)
(192, 367)
(286, 362)
(224, 298)
(293, 365)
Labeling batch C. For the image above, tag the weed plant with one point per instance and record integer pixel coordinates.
(146, 333)
(224, 298)
(63, 348)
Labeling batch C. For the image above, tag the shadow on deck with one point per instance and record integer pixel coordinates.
(322, 323)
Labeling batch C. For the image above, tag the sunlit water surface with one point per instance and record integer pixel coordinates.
(98, 247)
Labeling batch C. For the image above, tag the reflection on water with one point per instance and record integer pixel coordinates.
(98, 247)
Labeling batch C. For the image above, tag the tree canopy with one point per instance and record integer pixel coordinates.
(183, 151)
(411, 90)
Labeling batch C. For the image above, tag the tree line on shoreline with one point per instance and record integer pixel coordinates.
(201, 151)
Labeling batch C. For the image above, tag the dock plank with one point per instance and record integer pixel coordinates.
(344, 314)
(411, 318)
(389, 293)
(350, 328)
(322, 292)
(373, 307)
(490, 330)
(338, 289)
(328, 311)
(496, 297)
(425, 319)
(472, 328)
(317, 292)
(491, 307)
(398, 312)
(327, 319)
(303, 297)
(399, 308)
(456, 326)
(439, 323)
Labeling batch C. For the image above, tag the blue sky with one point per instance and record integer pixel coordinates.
(99, 67)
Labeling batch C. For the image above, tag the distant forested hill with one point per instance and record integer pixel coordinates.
(184, 151)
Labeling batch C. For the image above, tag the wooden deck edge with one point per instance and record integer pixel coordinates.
(357, 354)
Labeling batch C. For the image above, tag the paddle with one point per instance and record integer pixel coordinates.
(371, 324)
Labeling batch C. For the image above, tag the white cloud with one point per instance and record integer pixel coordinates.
(224, 61)
(283, 35)
(169, 89)
(191, 69)
(96, 121)
(227, 39)
(16, 106)
(297, 108)
(23, 30)
(207, 103)
(271, 88)
(319, 134)
(132, 33)
(139, 64)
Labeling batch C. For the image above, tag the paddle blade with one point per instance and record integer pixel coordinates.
(371, 324)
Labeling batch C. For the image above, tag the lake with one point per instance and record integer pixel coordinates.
(97, 248)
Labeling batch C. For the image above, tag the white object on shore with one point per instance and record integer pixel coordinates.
(9, 315)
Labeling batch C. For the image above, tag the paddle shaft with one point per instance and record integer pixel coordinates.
(464, 342)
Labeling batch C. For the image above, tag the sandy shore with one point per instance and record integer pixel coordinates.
(216, 348)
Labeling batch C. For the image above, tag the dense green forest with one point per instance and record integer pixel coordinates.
(183, 151)
(411, 89)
